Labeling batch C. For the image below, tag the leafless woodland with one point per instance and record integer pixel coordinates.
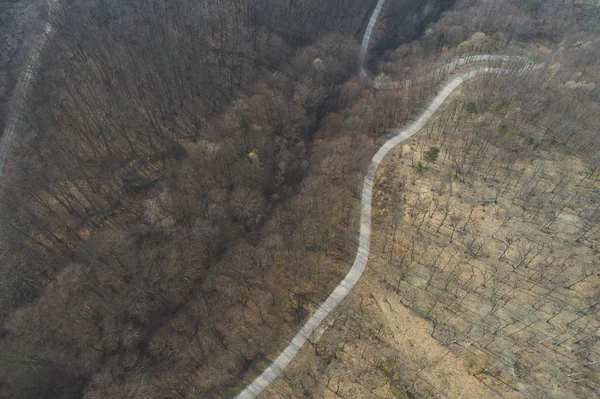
(184, 189)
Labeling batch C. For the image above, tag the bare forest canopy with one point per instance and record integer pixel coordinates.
(154, 179)
(183, 189)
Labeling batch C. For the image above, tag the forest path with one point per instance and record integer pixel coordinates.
(23, 84)
(399, 135)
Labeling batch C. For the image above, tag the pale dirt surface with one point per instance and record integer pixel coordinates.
(447, 372)
(393, 335)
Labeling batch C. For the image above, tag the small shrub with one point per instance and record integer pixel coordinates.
(471, 108)
(386, 368)
(431, 155)
(533, 6)
(502, 129)
(495, 106)
(529, 140)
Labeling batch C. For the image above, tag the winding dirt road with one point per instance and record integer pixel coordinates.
(362, 255)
